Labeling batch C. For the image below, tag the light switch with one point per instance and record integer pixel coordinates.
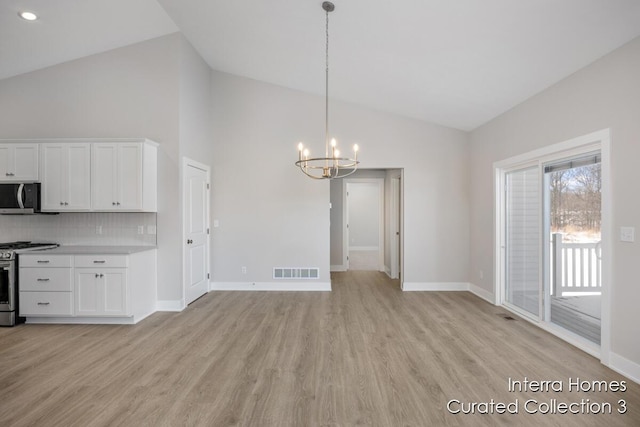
(627, 234)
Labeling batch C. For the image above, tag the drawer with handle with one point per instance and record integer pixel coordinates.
(107, 261)
(45, 279)
(46, 304)
(42, 260)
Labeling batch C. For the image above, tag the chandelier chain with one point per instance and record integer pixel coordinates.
(326, 92)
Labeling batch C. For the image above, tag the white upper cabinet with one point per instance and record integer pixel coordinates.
(65, 171)
(124, 176)
(18, 162)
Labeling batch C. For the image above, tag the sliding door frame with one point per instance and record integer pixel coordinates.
(595, 141)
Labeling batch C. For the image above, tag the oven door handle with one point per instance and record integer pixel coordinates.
(21, 196)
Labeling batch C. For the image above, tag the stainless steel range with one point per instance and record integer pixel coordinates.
(9, 278)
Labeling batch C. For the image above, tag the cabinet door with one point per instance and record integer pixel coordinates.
(78, 177)
(100, 292)
(130, 176)
(6, 162)
(104, 177)
(115, 292)
(53, 182)
(26, 162)
(87, 292)
(18, 162)
(66, 179)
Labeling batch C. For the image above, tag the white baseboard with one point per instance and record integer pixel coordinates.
(82, 320)
(625, 367)
(170, 305)
(435, 286)
(482, 293)
(335, 268)
(272, 286)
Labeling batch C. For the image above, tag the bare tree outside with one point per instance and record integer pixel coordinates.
(576, 199)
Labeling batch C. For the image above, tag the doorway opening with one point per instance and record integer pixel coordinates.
(364, 228)
(366, 222)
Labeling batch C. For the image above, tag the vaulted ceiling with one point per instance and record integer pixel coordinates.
(456, 63)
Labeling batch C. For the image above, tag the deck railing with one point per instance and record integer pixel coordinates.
(576, 267)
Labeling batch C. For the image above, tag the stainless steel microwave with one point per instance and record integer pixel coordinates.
(19, 198)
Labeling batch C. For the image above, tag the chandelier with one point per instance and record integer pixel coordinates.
(330, 166)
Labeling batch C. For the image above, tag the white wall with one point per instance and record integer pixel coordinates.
(127, 93)
(196, 138)
(605, 94)
(272, 215)
(364, 215)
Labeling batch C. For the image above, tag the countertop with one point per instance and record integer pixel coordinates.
(95, 250)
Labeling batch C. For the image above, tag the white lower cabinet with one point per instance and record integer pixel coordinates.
(87, 288)
(46, 304)
(101, 292)
(46, 285)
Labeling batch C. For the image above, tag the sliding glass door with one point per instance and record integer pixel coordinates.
(573, 253)
(522, 240)
(553, 234)
(551, 250)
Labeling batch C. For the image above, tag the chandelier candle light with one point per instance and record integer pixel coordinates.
(330, 166)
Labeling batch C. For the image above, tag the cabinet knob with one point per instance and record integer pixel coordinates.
(43, 303)
(43, 280)
(189, 242)
(66, 203)
(61, 203)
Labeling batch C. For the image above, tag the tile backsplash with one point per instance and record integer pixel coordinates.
(87, 228)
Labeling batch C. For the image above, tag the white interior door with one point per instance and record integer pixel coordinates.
(196, 230)
(396, 215)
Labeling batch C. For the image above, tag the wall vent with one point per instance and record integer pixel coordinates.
(296, 273)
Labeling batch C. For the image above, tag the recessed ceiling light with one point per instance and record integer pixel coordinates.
(28, 16)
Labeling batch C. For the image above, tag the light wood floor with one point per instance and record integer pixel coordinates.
(364, 354)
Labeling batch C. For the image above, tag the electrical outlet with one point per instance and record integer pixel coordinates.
(151, 229)
(141, 229)
(98, 229)
(481, 274)
(244, 270)
(627, 234)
